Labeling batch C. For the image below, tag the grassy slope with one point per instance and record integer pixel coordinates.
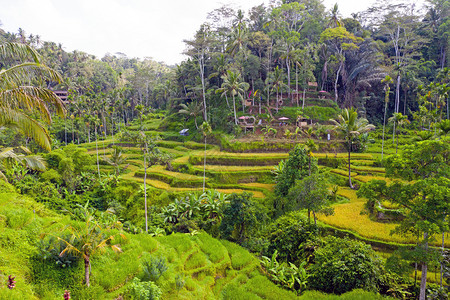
(209, 266)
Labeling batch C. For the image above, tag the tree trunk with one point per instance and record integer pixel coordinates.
(288, 67)
(397, 94)
(442, 254)
(309, 164)
(423, 279)
(204, 167)
(234, 110)
(315, 219)
(336, 82)
(349, 168)
(303, 104)
(96, 149)
(296, 82)
(396, 147)
(384, 126)
(145, 188)
(87, 264)
(65, 130)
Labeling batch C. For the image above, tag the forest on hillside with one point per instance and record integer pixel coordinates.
(259, 54)
(292, 154)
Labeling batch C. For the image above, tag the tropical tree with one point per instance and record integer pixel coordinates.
(310, 193)
(387, 80)
(276, 80)
(116, 159)
(10, 156)
(398, 120)
(310, 147)
(424, 194)
(89, 237)
(339, 41)
(206, 130)
(349, 126)
(19, 100)
(233, 86)
(192, 109)
(151, 155)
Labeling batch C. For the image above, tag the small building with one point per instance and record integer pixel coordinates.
(184, 132)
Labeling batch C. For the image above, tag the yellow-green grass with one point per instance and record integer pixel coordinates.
(343, 172)
(367, 178)
(256, 194)
(348, 216)
(266, 186)
(366, 169)
(180, 176)
(356, 156)
(219, 168)
(362, 162)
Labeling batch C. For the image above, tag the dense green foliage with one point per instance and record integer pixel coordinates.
(343, 265)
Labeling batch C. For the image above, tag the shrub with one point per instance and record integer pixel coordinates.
(141, 290)
(154, 268)
(291, 236)
(342, 265)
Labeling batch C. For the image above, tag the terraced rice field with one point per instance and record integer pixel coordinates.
(252, 172)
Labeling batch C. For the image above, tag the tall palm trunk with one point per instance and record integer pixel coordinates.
(87, 264)
(96, 149)
(204, 167)
(145, 188)
(336, 82)
(384, 126)
(234, 110)
(349, 168)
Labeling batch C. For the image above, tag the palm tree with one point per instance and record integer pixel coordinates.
(19, 100)
(88, 238)
(116, 159)
(387, 80)
(349, 126)
(399, 120)
(233, 85)
(10, 155)
(276, 80)
(310, 146)
(206, 129)
(192, 109)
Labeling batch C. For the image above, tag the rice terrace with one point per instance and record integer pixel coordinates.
(293, 153)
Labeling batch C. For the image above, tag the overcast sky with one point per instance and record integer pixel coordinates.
(138, 28)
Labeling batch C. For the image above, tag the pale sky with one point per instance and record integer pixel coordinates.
(138, 28)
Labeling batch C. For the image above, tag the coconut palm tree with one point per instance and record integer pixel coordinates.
(276, 80)
(387, 80)
(116, 159)
(23, 157)
(233, 85)
(310, 146)
(349, 126)
(89, 237)
(192, 109)
(399, 120)
(19, 100)
(206, 130)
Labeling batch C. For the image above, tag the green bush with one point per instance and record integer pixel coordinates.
(154, 268)
(292, 237)
(342, 265)
(144, 290)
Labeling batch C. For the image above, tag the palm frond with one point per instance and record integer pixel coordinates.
(29, 126)
(19, 74)
(14, 50)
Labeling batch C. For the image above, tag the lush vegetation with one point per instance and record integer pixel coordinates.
(296, 175)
